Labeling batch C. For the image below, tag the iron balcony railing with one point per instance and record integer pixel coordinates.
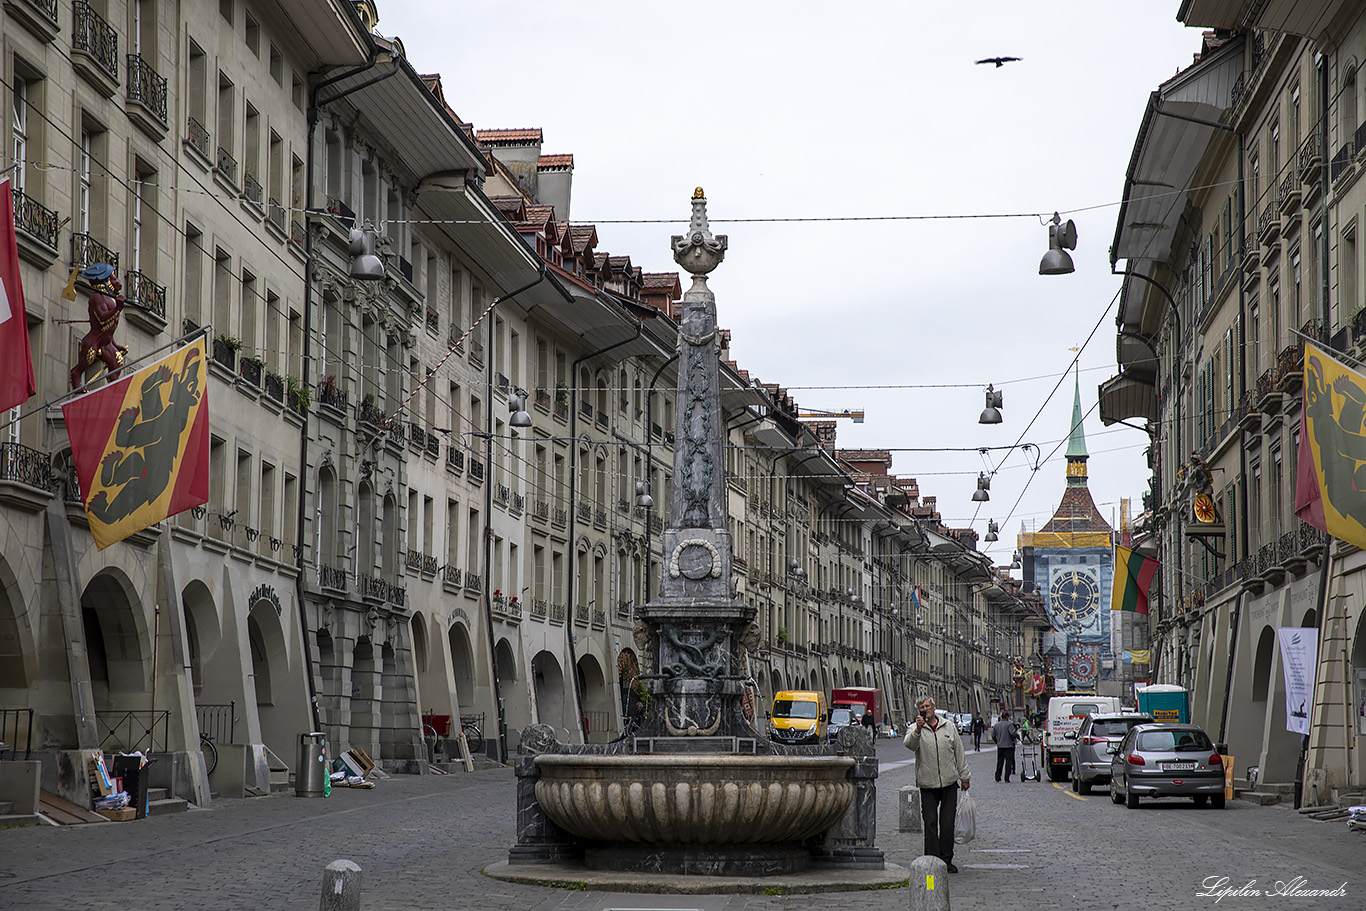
(22, 465)
(227, 165)
(144, 292)
(557, 613)
(433, 320)
(540, 509)
(198, 136)
(92, 36)
(36, 220)
(538, 608)
(47, 9)
(86, 250)
(452, 575)
(474, 582)
(433, 444)
(455, 459)
(276, 215)
(476, 470)
(372, 587)
(251, 188)
(146, 86)
(476, 352)
(429, 564)
(275, 387)
(370, 413)
(331, 577)
(413, 560)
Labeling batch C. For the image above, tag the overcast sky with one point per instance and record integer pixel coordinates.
(804, 109)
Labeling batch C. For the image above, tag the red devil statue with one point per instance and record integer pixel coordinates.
(106, 303)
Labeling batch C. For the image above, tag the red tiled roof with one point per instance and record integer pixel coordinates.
(661, 281)
(1076, 513)
(520, 136)
(512, 207)
(546, 162)
(584, 237)
(619, 263)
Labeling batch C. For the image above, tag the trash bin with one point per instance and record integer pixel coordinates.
(310, 778)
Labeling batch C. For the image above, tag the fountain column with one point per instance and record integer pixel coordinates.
(693, 631)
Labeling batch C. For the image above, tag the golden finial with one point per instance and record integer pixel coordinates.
(698, 194)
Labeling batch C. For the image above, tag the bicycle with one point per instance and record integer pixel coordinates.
(474, 737)
(210, 752)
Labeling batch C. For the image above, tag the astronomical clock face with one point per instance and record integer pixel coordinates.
(1075, 597)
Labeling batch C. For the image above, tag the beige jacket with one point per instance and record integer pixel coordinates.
(939, 757)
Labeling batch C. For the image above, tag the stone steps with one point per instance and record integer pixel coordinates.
(161, 803)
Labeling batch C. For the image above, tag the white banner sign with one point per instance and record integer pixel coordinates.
(1299, 661)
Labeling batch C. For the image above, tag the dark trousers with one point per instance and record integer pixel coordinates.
(976, 740)
(1005, 759)
(938, 807)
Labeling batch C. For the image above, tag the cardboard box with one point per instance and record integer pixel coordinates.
(100, 780)
(122, 815)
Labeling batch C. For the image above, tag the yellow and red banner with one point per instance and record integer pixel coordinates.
(1330, 488)
(1134, 574)
(141, 445)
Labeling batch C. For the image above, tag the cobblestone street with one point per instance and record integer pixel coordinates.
(422, 841)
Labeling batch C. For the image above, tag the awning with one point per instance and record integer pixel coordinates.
(1306, 18)
(1123, 397)
(1167, 151)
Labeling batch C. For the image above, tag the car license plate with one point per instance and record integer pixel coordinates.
(1178, 766)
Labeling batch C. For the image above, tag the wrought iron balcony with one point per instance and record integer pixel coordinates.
(417, 436)
(198, 137)
(147, 87)
(474, 582)
(599, 618)
(501, 382)
(21, 465)
(540, 509)
(600, 518)
(413, 560)
(476, 352)
(1289, 194)
(585, 511)
(42, 13)
(140, 289)
(542, 399)
(433, 444)
(562, 410)
(539, 608)
(331, 577)
(275, 387)
(1290, 367)
(95, 39)
(586, 409)
(518, 503)
(454, 339)
(561, 516)
(557, 613)
(367, 412)
(455, 459)
(1269, 222)
(476, 470)
(227, 166)
(297, 233)
(429, 565)
(276, 215)
(331, 396)
(433, 320)
(251, 187)
(1341, 160)
(501, 494)
(581, 614)
(86, 250)
(36, 220)
(452, 575)
(1310, 158)
(375, 589)
(250, 369)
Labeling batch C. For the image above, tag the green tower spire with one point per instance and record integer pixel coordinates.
(1076, 440)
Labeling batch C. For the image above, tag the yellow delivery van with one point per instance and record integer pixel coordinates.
(798, 716)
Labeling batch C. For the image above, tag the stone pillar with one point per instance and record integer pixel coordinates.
(539, 841)
(908, 810)
(341, 887)
(851, 842)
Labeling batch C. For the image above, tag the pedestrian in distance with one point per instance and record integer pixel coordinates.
(1003, 735)
(978, 726)
(941, 769)
(867, 722)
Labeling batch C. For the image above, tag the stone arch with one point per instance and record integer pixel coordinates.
(366, 524)
(18, 652)
(1261, 664)
(115, 640)
(1310, 619)
(552, 697)
(778, 686)
(328, 513)
(462, 665)
(846, 676)
(512, 686)
(596, 698)
(628, 669)
(858, 678)
(270, 671)
(202, 637)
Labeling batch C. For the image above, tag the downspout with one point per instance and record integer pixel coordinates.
(573, 518)
(314, 109)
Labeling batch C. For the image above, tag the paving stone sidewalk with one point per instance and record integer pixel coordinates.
(422, 841)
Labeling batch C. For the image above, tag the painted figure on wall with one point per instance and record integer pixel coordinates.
(106, 303)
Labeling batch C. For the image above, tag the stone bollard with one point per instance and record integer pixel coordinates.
(911, 820)
(929, 884)
(341, 887)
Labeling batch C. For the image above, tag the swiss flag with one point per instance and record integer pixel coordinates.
(16, 364)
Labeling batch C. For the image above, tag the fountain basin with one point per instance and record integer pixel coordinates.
(694, 799)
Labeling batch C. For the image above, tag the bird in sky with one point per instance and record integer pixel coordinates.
(1000, 61)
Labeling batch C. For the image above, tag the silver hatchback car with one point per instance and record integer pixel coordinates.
(1166, 760)
(1091, 743)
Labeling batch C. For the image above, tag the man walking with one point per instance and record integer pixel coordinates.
(941, 768)
(978, 726)
(1003, 735)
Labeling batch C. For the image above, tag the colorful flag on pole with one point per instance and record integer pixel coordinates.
(1328, 493)
(1134, 574)
(141, 445)
(16, 363)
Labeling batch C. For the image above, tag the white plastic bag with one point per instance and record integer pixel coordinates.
(965, 820)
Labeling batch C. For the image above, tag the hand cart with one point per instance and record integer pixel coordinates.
(1029, 763)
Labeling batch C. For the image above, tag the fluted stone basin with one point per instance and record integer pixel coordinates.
(694, 800)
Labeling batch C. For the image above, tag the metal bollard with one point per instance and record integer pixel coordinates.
(929, 884)
(910, 818)
(341, 887)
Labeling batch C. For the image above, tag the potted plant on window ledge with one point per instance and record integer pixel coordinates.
(225, 348)
(298, 395)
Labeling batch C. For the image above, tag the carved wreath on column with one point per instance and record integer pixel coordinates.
(691, 563)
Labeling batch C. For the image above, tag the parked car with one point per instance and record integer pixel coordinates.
(840, 717)
(1090, 746)
(1166, 760)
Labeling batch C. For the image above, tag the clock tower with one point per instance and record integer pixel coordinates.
(1070, 562)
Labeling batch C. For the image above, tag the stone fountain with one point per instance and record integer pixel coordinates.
(697, 790)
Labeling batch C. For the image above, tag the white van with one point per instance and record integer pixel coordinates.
(1065, 715)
